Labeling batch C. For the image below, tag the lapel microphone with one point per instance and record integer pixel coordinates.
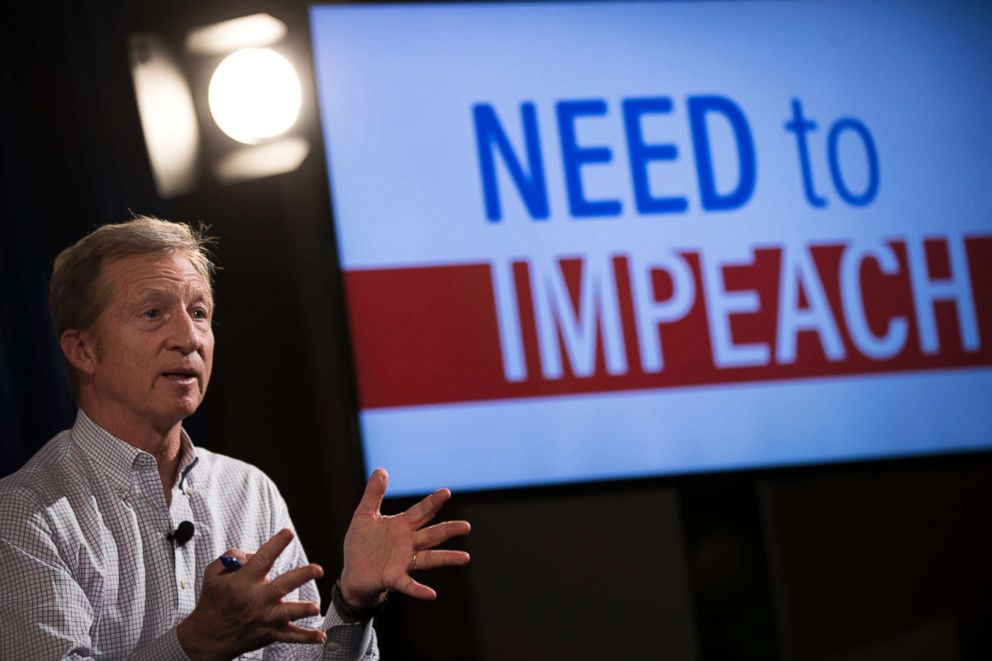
(182, 534)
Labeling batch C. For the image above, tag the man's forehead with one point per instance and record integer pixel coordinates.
(137, 275)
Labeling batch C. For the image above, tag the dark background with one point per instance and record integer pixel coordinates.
(886, 560)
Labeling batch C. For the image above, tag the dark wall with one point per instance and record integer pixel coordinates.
(870, 561)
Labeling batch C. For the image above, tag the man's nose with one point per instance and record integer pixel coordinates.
(183, 333)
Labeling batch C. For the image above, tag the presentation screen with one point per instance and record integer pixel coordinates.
(587, 241)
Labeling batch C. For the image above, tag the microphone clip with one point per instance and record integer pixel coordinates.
(182, 534)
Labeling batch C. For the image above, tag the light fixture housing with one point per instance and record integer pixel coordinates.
(168, 115)
(256, 30)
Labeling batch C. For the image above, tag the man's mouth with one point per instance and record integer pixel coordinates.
(181, 377)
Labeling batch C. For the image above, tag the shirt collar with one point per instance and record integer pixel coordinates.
(187, 458)
(118, 458)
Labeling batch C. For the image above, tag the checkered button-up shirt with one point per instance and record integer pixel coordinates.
(87, 568)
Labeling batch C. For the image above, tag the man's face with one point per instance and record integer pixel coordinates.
(154, 342)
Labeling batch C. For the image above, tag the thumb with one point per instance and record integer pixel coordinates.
(375, 491)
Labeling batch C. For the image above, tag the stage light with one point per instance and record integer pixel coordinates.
(254, 95)
(227, 36)
(219, 100)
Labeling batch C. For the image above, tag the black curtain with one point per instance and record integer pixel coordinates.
(71, 157)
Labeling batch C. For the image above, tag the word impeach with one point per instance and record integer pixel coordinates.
(669, 318)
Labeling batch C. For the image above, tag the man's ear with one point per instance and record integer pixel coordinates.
(79, 348)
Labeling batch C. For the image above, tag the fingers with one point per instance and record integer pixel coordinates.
(239, 554)
(288, 611)
(217, 567)
(291, 580)
(425, 510)
(430, 559)
(261, 562)
(439, 534)
(412, 588)
(375, 491)
(237, 607)
(293, 633)
(435, 558)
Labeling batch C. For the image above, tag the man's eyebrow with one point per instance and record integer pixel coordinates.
(143, 295)
(203, 294)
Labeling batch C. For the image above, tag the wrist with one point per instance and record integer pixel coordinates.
(353, 607)
(195, 645)
(352, 597)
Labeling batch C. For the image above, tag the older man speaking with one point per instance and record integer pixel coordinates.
(121, 539)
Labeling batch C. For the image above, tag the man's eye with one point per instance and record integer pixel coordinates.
(153, 313)
(200, 314)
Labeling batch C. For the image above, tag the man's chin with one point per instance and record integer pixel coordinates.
(181, 408)
(188, 407)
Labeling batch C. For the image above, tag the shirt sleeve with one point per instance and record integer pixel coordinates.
(345, 641)
(44, 611)
(164, 648)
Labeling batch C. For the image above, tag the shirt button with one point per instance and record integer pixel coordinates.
(333, 647)
(183, 584)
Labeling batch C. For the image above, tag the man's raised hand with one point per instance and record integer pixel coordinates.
(243, 610)
(381, 551)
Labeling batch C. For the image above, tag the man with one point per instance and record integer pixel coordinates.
(111, 536)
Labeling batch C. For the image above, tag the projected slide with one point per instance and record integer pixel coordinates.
(595, 241)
